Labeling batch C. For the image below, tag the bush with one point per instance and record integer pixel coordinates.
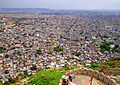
(6, 56)
(93, 66)
(2, 49)
(66, 68)
(6, 83)
(77, 54)
(6, 71)
(116, 46)
(115, 50)
(110, 67)
(102, 50)
(17, 78)
(34, 67)
(105, 46)
(19, 53)
(115, 58)
(76, 40)
(25, 73)
(39, 51)
(58, 49)
(11, 80)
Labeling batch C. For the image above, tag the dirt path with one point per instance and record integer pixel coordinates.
(84, 80)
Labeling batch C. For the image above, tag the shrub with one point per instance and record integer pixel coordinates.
(102, 50)
(11, 80)
(34, 67)
(93, 66)
(105, 46)
(6, 56)
(116, 46)
(76, 40)
(26, 73)
(6, 83)
(2, 49)
(39, 51)
(19, 53)
(77, 54)
(6, 71)
(58, 49)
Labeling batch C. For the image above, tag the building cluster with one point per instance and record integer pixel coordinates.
(31, 40)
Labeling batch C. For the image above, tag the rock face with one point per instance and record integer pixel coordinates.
(83, 76)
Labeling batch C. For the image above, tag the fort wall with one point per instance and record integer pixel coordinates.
(89, 72)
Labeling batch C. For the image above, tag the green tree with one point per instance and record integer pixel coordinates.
(76, 40)
(11, 80)
(77, 54)
(58, 49)
(116, 46)
(6, 56)
(6, 83)
(2, 49)
(105, 46)
(39, 51)
(26, 73)
(6, 71)
(34, 67)
(18, 52)
(102, 50)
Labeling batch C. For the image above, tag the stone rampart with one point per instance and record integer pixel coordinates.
(99, 76)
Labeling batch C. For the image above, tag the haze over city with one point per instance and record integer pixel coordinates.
(63, 4)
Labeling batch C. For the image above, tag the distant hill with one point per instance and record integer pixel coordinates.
(47, 11)
(26, 9)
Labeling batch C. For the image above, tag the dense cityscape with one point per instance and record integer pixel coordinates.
(42, 38)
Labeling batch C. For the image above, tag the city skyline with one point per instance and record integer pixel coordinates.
(63, 4)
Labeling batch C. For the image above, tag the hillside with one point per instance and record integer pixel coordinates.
(46, 77)
(110, 67)
(52, 76)
(49, 77)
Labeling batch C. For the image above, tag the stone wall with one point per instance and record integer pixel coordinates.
(89, 72)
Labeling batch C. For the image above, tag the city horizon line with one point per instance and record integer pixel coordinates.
(68, 9)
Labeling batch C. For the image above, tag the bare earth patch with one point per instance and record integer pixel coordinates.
(84, 80)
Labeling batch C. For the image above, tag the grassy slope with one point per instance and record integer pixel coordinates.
(48, 77)
(110, 67)
(52, 77)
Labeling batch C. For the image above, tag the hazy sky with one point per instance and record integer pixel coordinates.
(62, 4)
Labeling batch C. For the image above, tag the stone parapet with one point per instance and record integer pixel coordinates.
(99, 76)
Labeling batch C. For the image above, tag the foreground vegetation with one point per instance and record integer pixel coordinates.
(52, 76)
(110, 67)
(49, 77)
(44, 77)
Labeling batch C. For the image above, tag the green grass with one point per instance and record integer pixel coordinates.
(1, 27)
(49, 77)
